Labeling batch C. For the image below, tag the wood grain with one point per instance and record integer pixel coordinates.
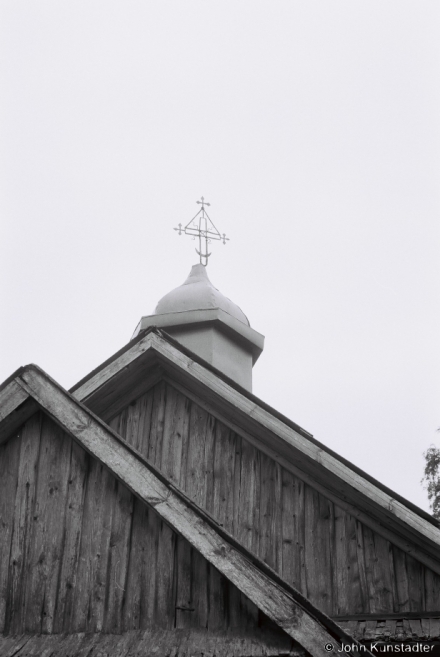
(268, 508)
(268, 595)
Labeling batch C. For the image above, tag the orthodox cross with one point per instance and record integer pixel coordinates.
(202, 227)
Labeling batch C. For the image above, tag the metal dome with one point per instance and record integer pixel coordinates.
(198, 293)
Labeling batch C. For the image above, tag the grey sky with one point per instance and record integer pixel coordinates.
(313, 130)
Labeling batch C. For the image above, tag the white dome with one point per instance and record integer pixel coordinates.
(198, 293)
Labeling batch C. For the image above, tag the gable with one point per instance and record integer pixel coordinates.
(341, 564)
(79, 553)
(154, 356)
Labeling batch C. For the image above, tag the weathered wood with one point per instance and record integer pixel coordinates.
(97, 524)
(175, 642)
(223, 462)
(222, 506)
(164, 574)
(349, 501)
(360, 549)
(356, 582)
(9, 465)
(23, 513)
(401, 580)
(184, 608)
(342, 564)
(290, 559)
(11, 397)
(157, 425)
(416, 587)
(195, 481)
(74, 509)
(245, 411)
(11, 421)
(46, 529)
(171, 453)
(137, 569)
(118, 559)
(432, 591)
(248, 524)
(270, 596)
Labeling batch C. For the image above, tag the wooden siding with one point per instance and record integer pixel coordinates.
(79, 553)
(340, 564)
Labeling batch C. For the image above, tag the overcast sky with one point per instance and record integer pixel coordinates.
(312, 128)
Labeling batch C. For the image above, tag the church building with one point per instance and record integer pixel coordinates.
(160, 508)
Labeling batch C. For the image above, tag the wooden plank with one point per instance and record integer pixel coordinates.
(300, 442)
(195, 481)
(382, 568)
(117, 567)
(165, 595)
(139, 560)
(349, 501)
(139, 422)
(23, 514)
(290, 552)
(311, 547)
(222, 505)
(49, 522)
(72, 540)
(184, 608)
(9, 466)
(208, 464)
(248, 528)
(362, 566)
(416, 589)
(157, 425)
(11, 397)
(175, 433)
(432, 590)
(217, 606)
(342, 564)
(268, 490)
(150, 583)
(301, 534)
(356, 582)
(270, 595)
(176, 361)
(370, 558)
(100, 556)
(199, 585)
(324, 536)
(14, 418)
(89, 593)
(401, 580)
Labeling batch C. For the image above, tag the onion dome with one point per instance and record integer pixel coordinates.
(210, 325)
(198, 293)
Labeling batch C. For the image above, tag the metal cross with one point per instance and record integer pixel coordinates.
(202, 227)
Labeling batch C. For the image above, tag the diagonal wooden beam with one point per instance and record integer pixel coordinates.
(280, 602)
(16, 406)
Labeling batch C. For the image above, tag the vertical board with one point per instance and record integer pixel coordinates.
(9, 464)
(342, 565)
(83, 555)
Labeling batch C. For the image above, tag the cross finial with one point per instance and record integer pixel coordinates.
(202, 227)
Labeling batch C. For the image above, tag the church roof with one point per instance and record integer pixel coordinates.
(283, 438)
(282, 603)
